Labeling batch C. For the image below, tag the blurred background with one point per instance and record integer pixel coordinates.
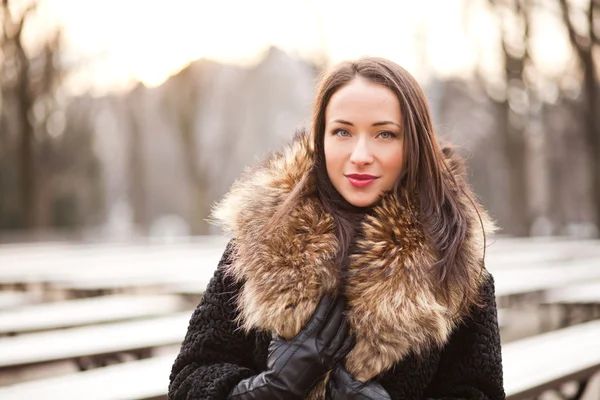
(123, 118)
(123, 121)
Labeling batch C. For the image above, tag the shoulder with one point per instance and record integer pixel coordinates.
(228, 254)
(482, 321)
(222, 282)
(487, 291)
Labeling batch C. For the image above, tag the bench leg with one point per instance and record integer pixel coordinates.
(545, 314)
(84, 363)
(91, 362)
(589, 312)
(580, 389)
(143, 353)
(581, 386)
(594, 310)
(567, 316)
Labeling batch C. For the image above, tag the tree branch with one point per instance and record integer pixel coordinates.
(574, 37)
(31, 7)
(5, 20)
(594, 9)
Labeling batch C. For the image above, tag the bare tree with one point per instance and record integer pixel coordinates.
(182, 101)
(512, 107)
(15, 83)
(584, 44)
(26, 80)
(137, 176)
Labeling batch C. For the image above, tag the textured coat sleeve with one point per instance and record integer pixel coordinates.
(215, 354)
(470, 366)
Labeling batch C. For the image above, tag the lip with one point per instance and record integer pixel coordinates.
(361, 180)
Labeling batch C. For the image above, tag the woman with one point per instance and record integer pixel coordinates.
(356, 269)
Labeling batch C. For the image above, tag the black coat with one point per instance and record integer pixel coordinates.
(216, 354)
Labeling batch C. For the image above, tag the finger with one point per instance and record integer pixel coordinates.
(331, 391)
(332, 343)
(346, 347)
(374, 390)
(334, 320)
(319, 316)
(343, 377)
(339, 371)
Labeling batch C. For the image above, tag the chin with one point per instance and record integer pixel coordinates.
(362, 201)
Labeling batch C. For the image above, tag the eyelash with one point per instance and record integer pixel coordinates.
(337, 132)
(392, 134)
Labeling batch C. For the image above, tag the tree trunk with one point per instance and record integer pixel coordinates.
(137, 175)
(196, 177)
(584, 49)
(592, 123)
(592, 132)
(513, 124)
(27, 159)
(515, 149)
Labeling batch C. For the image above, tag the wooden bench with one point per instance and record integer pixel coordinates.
(143, 379)
(531, 281)
(584, 293)
(95, 345)
(10, 300)
(548, 361)
(531, 367)
(576, 303)
(191, 286)
(62, 276)
(80, 312)
(101, 261)
(504, 257)
(162, 280)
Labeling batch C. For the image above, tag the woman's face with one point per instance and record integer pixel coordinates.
(364, 141)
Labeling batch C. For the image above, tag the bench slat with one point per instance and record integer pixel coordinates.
(72, 343)
(128, 381)
(550, 358)
(542, 278)
(10, 300)
(578, 348)
(586, 293)
(95, 310)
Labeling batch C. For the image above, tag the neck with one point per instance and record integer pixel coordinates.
(348, 218)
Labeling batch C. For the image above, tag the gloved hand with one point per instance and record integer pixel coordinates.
(342, 386)
(295, 366)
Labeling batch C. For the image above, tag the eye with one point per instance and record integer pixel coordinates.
(341, 133)
(387, 135)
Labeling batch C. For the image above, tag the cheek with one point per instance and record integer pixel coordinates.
(394, 164)
(332, 156)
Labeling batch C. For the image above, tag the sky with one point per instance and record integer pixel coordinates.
(118, 42)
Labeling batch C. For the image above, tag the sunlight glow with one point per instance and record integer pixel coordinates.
(123, 41)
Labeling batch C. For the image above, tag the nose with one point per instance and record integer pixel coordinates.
(361, 155)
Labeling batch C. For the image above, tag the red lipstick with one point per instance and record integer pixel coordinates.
(361, 180)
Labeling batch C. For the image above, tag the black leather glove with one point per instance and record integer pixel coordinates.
(295, 366)
(342, 386)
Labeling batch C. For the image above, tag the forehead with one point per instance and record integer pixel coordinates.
(361, 99)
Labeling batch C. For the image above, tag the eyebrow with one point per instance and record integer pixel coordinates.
(380, 123)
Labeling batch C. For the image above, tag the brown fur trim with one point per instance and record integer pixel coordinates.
(394, 308)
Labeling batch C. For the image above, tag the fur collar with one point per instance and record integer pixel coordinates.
(393, 305)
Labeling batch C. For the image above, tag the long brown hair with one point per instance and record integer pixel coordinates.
(443, 220)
